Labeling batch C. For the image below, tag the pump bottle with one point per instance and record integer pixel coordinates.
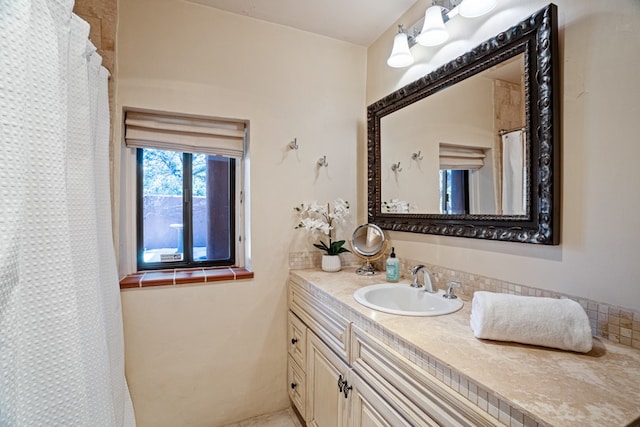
(393, 267)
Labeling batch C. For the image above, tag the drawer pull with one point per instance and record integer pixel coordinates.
(294, 341)
(347, 388)
(293, 386)
(343, 386)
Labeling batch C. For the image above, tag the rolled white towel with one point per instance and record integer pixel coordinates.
(547, 322)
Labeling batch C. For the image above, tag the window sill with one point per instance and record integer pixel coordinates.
(183, 276)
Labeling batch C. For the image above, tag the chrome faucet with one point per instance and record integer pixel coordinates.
(426, 278)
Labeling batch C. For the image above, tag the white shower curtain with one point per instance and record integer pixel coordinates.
(61, 342)
(513, 176)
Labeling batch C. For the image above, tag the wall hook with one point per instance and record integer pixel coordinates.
(417, 156)
(322, 161)
(396, 167)
(293, 145)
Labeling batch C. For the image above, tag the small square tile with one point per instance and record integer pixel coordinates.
(483, 402)
(505, 412)
(473, 393)
(529, 422)
(494, 409)
(517, 418)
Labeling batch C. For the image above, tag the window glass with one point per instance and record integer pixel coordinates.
(186, 208)
(454, 191)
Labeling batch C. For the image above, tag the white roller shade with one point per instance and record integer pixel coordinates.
(184, 133)
(460, 157)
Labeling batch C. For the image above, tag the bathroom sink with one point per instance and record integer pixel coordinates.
(404, 300)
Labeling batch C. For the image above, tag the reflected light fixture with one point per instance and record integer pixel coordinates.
(431, 30)
(400, 54)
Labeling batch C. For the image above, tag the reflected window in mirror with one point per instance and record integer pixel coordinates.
(454, 192)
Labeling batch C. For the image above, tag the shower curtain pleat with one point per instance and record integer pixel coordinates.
(61, 343)
(513, 164)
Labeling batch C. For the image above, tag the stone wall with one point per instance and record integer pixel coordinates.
(102, 15)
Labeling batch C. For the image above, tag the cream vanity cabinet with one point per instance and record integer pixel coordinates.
(323, 387)
(341, 376)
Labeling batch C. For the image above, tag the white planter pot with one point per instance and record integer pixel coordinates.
(331, 263)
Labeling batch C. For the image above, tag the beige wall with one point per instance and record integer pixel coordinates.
(598, 256)
(213, 354)
(208, 355)
(423, 126)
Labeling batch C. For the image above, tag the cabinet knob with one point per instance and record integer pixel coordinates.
(341, 383)
(294, 341)
(293, 386)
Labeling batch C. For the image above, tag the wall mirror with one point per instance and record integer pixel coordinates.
(472, 149)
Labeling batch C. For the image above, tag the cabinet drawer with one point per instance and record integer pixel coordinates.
(418, 396)
(368, 408)
(331, 327)
(297, 386)
(297, 339)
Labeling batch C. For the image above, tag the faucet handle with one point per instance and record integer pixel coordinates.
(414, 270)
(450, 288)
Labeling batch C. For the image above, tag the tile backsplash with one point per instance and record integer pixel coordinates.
(610, 322)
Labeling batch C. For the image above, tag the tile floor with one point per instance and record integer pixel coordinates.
(286, 418)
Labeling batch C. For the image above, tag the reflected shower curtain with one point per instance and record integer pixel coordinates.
(513, 182)
(61, 342)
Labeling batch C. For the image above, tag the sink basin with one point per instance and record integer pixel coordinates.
(404, 300)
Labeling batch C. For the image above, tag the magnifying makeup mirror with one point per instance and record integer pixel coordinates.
(369, 243)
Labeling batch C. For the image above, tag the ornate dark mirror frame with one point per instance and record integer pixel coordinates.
(536, 37)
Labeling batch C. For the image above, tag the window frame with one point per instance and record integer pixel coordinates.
(187, 218)
(128, 210)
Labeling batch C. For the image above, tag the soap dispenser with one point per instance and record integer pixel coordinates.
(393, 267)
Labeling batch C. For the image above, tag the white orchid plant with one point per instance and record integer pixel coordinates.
(322, 219)
(397, 206)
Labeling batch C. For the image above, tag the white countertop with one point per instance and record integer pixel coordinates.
(556, 387)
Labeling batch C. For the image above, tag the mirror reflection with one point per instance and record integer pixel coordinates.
(462, 150)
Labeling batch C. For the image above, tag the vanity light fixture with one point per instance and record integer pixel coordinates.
(396, 167)
(293, 145)
(431, 30)
(400, 55)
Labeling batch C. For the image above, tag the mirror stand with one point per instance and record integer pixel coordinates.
(368, 243)
(367, 268)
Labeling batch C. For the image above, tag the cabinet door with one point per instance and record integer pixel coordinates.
(326, 404)
(368, 409)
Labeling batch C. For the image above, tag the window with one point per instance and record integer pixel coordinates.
(185, 209)
(189, 175)
(454, 192)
